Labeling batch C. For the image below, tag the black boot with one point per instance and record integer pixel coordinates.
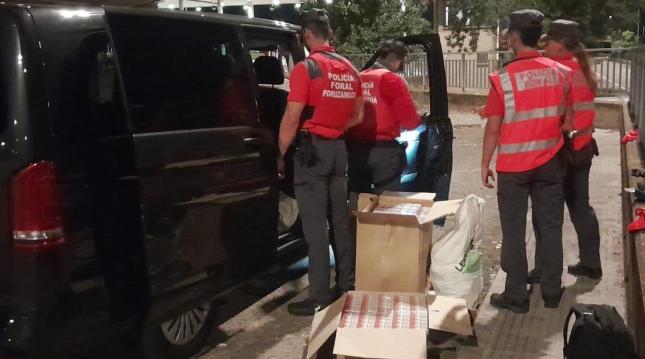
(499, 300)
(580, 270)
(552, 301)
(305, 308)
(534, 276)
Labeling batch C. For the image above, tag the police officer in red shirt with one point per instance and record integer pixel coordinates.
(376, 159)
(527, 113)
(325, 100)
(562, 44)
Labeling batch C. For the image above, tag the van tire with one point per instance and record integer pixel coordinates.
(156, 342)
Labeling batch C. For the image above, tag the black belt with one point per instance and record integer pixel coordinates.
(377, 143)
(318, 137)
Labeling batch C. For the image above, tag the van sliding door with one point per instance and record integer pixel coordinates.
(206, 169)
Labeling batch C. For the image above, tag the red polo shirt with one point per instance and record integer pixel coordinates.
(388, 106)
(330, 86)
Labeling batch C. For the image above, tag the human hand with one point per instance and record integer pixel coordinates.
(487, 173)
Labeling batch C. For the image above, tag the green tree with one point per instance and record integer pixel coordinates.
(627, 39)
(598, 19)
(361, 25)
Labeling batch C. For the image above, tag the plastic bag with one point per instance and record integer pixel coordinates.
(456, 269)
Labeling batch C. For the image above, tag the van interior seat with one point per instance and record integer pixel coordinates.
(272, 101)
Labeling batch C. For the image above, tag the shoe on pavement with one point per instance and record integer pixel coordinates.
(552, 301)
(581, 271)
(534, 277)
(499, 300)
(305, 308)
(338, 292)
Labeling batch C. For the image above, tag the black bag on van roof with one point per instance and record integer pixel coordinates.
(598, 332)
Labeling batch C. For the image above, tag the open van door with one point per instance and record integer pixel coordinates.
(429, 146)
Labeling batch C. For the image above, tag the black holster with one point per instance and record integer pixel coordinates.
(307, 154)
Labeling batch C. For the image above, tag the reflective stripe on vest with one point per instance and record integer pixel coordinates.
(584, 106)
(509, 97)
(527, 146)
(537, 113)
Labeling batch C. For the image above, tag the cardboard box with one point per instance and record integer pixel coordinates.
(393, 240)
(386, 325)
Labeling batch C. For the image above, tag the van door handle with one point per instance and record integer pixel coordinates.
(253, 141)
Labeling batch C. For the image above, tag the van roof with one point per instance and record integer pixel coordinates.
(169, 14)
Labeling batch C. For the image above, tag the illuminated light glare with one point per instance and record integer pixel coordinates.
(275, 2)
(198, 9)
(329, 2)
(24, 71)
(68, 14)
(2, 144)
(297, 6)
(19, 59)
(172, 6)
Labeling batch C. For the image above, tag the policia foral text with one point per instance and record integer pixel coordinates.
(527, 112)
(325, 100)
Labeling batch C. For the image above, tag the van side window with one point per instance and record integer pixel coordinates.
(273, 54)
(182, 75)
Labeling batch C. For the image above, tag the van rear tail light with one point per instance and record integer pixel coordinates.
(35, 208)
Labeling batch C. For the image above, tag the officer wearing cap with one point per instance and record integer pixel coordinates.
(325, 100)
(376, 159)
(562, 43)
(526, 108)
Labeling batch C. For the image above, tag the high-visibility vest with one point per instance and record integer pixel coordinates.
(378, 121)
(535, 92)
(584, 111)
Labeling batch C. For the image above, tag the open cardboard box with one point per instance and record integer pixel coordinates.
(386, 325)
(393, 239)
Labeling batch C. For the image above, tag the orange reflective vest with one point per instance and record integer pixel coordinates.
(584, 111)
(535, 91)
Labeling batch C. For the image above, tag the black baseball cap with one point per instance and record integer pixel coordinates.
(562, 28)
(314, 15)
(392, 47)
(527, 18)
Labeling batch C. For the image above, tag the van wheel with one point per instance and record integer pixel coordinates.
(181, 337)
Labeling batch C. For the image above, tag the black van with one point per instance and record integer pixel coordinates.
(138, 171)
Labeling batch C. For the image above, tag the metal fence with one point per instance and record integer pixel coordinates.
(637, 90)
(470, 70)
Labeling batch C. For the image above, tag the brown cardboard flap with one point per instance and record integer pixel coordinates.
(324, 325)
(384, 218)
(424, 198)
(441, 209)
(381, 343)
(449, 314)
(366, 201)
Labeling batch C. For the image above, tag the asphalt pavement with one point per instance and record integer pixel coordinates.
(265, 330)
